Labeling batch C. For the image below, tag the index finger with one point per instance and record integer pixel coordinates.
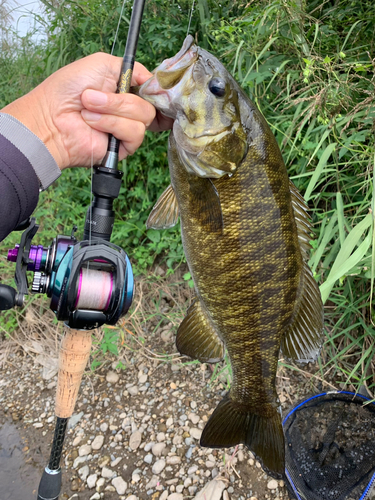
(140, 74)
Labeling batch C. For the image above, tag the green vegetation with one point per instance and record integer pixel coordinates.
(309, 68)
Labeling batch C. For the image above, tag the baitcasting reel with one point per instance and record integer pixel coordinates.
(90, 283)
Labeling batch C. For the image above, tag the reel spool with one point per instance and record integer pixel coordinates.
(89, 283)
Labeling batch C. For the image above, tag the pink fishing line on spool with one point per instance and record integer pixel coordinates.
(94, 290)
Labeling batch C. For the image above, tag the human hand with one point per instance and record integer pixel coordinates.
(75, 109)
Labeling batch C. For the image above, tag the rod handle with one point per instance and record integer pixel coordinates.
(73, 358)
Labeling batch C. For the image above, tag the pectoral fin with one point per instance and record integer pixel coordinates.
(206, 203)
(197, 338)
(165, 212)
(304, 338)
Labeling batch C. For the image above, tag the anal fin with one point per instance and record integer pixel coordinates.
(165, 212)
(197, 337)
(304, 339)
(232, 424)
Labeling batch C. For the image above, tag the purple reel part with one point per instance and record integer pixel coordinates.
(37, 257)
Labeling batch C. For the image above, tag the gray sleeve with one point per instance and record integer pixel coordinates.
(32, 147)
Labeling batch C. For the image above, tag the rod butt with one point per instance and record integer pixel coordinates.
(50, 485)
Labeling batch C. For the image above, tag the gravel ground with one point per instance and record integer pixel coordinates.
(135, 432)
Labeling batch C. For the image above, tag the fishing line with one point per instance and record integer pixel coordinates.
(89, 294)
(191, 15)
(95, 287)
(92, 146)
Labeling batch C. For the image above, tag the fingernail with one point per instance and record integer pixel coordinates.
(96, 98)
(89, 116)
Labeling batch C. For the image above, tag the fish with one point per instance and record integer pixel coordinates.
(246, 236)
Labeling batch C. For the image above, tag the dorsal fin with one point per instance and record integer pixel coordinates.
(165, 212)
(304, 338)
(197, 337)
(303, 220)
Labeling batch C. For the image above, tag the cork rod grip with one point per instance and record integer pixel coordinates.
(74, 354)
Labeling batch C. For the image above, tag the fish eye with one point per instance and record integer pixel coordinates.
(217, 86)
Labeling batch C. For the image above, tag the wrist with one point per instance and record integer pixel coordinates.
(32, 111)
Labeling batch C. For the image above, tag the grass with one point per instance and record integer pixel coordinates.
(310, 71)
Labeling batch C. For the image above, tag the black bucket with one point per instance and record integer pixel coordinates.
(330, 447)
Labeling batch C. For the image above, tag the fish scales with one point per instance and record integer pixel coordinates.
(245, 234)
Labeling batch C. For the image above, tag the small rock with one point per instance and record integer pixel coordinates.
(136, 477)
(96, 496)
(192, 470)
(75, 484)
(195, 433)
(176, 496)
(169, 422)
(212, 490)
(116, 461)
(158, 466)
(281, 483)
(142, 379)
(163, 496)
(120, 485)
(226, 495)
(135, 440)
(74, 419)
(166, 336)
(100, 484)
(193, 417)
(112, 377)
(83, 472)
(85, 449)
(158, 449)
(160, 437)
(91, 480)
(77, 440)
(148, 458)
(104, 427)
(152, 483)
(103, 461)
(133, 391)
(173, 460)
(78, 461)
(107, 473)
(98, 442)
(132, 497)
(272, 484)
(180, 488)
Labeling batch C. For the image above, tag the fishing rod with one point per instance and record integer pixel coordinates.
(90, 282)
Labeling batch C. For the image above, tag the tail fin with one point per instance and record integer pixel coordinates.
(232, 424)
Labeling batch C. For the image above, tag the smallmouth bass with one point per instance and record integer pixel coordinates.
(245, 233)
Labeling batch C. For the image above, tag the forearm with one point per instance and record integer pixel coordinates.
(26, 166)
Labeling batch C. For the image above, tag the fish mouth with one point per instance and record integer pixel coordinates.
(169, 73)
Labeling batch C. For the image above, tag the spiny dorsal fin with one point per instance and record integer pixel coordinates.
(302, 219)
(206, 206)
(165, 212)
(197, 337)
(304, 339)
